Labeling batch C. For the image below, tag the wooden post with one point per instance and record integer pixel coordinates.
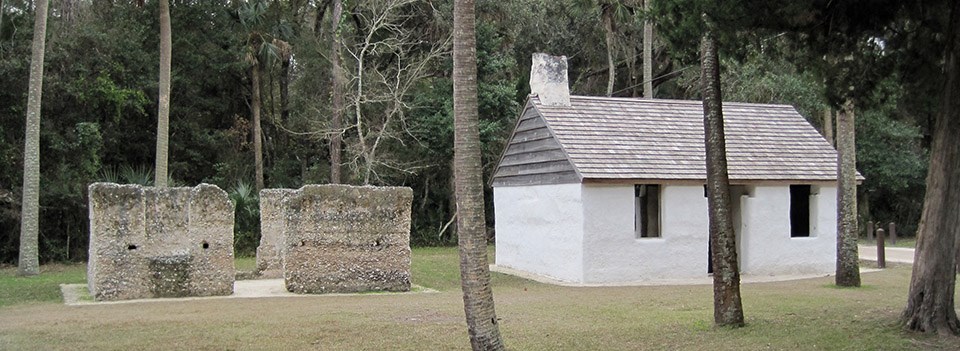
(881, 252)
(893, 233)
(870, 230)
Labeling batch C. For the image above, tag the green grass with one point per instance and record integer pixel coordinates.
(901, 242)
(808, 314)
(434, 268)
(245, 263)
(438, 268)
(44, 288)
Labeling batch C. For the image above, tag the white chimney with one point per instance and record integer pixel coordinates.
(548, 79)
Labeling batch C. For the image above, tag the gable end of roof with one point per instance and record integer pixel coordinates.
(533, 156)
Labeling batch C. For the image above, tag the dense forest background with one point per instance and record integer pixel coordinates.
(99, 113)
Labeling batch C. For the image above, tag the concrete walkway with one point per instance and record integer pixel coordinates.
(892, 254)
(77, 294)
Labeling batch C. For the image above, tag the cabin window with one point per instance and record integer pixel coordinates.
(647, 210)
(799, 211)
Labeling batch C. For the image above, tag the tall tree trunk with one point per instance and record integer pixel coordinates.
(286, 52)
(318, 23)
(163, 105)
(727, 308)
(336, 73)
(482, 324)
(29, 262)
(256, 133)
(67, 11)
(1, 15)
(848, 264)
(281, 141)
(828, 126)
(930, 303)
(630, 51)
(647, 51)
(607, 13)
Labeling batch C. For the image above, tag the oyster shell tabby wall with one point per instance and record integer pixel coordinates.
(159, 242)
(340, 238)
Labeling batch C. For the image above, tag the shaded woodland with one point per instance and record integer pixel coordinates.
(232, 60)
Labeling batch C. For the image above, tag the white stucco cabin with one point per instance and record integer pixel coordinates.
(599, 190)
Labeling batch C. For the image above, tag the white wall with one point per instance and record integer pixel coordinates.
(766, 246)
(612, 251)
(585, 233)
(540, 229)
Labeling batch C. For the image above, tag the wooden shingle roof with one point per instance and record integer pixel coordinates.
(630, 139)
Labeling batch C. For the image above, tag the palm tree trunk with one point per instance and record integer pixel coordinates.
(930, 302)
(257, 139)
(848, 264)
(607, 13)
(474, 271)
(336, 137)
(163, 105)
(29, 263)
(727, 308)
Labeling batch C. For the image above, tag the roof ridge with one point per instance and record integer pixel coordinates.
(669, 101)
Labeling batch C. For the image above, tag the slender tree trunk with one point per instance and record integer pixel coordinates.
(482, 324)
(256, 133)
(1, 15)
(336, 73)
(848, 264)
(630, 51)
(286, 51)
(163, 105)
(727, 308)
(29, 263)
(828, 126)
(647, 52)
(609, 34)
(930, 302)
(282, 140)
(318, 24)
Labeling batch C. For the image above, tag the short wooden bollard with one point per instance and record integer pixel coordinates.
(870, 230)
(893, 233)
(881, 252)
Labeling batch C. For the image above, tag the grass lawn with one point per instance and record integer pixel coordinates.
(901, 242)
(808, 314)
(44, 288)
(245, 263)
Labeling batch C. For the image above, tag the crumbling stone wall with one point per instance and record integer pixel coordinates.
(272, 221)
(159, 242)
(340, 238)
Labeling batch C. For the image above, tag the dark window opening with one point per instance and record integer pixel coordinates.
(647, 211)
(799, 211)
